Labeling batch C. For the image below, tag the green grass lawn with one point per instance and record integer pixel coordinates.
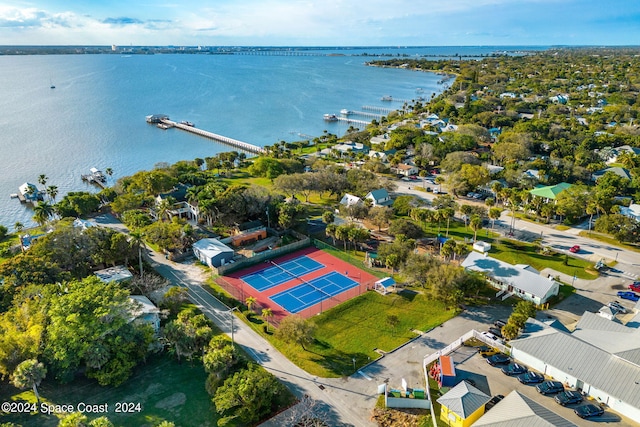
(164, 388)
(357, 327)
(516, 252)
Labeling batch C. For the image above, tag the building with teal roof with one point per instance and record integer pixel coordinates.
(549, 192)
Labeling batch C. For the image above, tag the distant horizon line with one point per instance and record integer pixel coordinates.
(323, 46)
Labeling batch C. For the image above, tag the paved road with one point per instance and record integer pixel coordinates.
(339, 402)
(628, 262)
(342, 406)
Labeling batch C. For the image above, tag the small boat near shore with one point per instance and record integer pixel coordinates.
(186, 123)
(387, 98)
(346, 112)
(330, 117)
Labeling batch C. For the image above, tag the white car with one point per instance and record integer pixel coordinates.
(492, 337)
(617, 306)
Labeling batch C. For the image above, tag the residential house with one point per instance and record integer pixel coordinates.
(379, 197)
(212, 252)
(83, 223)
(405, 169)
(549, 192)
(518, 410)
(521, 281)
(350, 199)
(117, 274)
(145, 311)
(621, 172)
(462, 405)
(180, 206)
(600, 358)
(633, 211)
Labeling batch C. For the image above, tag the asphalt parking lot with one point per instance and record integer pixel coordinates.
(490, 379)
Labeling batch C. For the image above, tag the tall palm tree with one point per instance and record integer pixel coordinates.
(29, 374)
(267, 313)
(108, 171)
(42, 179)
(476, 224)
(42, 212)
(137, 241)
(250, 301)
(18, 226)
(52, 191)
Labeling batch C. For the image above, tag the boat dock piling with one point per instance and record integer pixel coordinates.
(381, 110)
(91, 179)
(345, 119)
(243, 146)
(363, 114)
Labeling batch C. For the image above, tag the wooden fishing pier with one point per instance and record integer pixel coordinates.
(240, 145)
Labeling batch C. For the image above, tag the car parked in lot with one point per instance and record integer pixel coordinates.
(498, 359)
(568, 397)
(550, 387)
(485, 350)
(492, 336)
(589, 410)
(493, 402)
(531, 378)
(499, 323)
(632, 296)
(574, 249)
(515, 369)
(635, 286)
(495, 331)
(617, 306)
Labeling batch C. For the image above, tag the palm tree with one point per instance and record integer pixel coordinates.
(137, 241)
(42, 212)
(52, 191)
(250, 301)
(494, 213)
(476, 224)
(163, 208)
(18, 226)
(109, 171)
(267, 313)
(29, 374)
(42, 179)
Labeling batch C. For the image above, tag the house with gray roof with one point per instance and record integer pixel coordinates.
(621, 172)
(462, 405)
(521, 281)
(600, 358)
(517, 410)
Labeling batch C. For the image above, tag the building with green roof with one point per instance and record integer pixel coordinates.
(549, 192)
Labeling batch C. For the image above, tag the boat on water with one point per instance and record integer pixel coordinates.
(330, 117)
(186, 123)
(345, 112)
(387, 98)
(98, 175)
(164, 126)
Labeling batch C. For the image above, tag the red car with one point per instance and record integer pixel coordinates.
(635, 286)
(575, 249)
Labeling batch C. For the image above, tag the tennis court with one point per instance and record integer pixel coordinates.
(313, 292)
(278, 274)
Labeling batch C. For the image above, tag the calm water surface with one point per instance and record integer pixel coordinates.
(95, 115)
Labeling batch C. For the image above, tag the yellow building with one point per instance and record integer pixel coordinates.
(462, 405)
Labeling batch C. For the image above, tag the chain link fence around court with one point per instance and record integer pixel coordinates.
(345, 256)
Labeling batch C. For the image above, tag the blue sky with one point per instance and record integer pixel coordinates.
(321, 23)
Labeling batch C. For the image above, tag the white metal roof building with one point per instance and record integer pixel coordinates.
(518, 280)
(516, 410)
(600, 362)
(212, 252)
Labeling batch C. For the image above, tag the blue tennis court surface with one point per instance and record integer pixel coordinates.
(312, 292)
(281, 273)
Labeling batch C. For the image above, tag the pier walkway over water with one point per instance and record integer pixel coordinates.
(243, 146)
